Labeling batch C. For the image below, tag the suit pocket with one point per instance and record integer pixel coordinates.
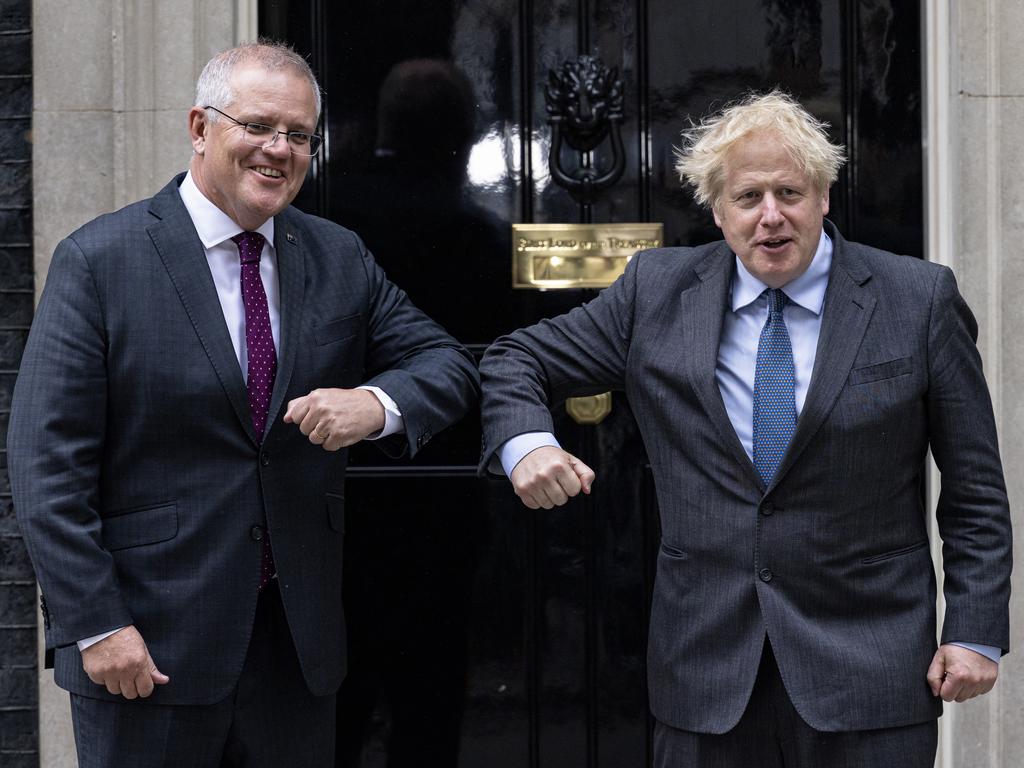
(895, 553)
(669, 551)
(342, 329)
(138, 527)
(336, 512)
(879, 371)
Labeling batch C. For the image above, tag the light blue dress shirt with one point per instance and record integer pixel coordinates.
(737, 357)
(741, 331)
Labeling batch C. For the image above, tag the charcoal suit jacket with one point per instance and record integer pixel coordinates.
(139, 484)
(831, 561)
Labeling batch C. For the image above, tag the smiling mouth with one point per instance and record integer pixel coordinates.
(270, 173)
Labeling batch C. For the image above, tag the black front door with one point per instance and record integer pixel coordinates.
(483, 633)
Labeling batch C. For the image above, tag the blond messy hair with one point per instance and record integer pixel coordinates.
(700, 161)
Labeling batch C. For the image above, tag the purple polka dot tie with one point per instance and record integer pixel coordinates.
(259, 345)
(774, 390)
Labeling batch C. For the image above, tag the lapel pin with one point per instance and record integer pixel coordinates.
(289, 237)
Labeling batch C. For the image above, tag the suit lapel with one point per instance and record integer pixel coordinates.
(704, 304)
(184, 258)
(847, 310)
(291, 271)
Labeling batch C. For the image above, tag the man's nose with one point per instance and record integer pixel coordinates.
(278, 146)
(771, 215)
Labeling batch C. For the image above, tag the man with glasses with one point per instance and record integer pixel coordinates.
(198, 365)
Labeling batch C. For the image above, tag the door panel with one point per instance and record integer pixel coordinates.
(483, 633)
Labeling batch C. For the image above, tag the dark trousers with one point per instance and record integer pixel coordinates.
(771, 734)
(270, 719)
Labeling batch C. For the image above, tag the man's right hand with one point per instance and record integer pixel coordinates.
(547, 476)
(122, 663)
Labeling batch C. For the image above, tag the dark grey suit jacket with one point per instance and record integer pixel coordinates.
(136, 475)
(831, 560)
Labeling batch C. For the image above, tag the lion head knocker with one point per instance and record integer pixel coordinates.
(584, 103)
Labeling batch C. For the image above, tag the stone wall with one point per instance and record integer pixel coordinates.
(113, 84)
(976, 210)
(19, 735)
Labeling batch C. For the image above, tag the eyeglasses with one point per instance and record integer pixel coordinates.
(263, 136)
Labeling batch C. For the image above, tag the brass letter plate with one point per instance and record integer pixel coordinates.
(549, 256)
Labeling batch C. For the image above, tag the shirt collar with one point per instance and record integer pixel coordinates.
(211, 223)
(808, 290)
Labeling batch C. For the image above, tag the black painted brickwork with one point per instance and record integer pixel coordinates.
(19, 717)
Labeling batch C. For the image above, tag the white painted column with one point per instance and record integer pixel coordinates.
(113, 81)
(974, 53)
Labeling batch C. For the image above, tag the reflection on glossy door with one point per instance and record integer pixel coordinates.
(483, 633)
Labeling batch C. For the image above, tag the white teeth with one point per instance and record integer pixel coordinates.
(271, 172)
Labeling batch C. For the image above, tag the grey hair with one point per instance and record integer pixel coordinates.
(700, 161)
(213, 88)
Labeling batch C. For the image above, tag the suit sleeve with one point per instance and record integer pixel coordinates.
(430, 376)
(583, 351)
(55, 448)
(973, 512)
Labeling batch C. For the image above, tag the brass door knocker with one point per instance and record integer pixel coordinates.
(584, 103)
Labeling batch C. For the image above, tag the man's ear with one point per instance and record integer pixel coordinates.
(198, 125)
(824, 202)
(714, 212)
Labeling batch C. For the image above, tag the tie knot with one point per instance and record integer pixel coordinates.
(777, 300)
(250, 246)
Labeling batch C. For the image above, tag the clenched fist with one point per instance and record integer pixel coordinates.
(548, 476)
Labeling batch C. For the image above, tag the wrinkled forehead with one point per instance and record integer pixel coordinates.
(252, 81)
(764, 145)
(763, 153)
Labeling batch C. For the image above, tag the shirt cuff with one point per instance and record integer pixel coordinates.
(393, 421)
(988, 651)
(83, 644)
(513, 450)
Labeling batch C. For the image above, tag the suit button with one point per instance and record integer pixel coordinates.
(767, 508)
(256, 533)
(765, 575)
(265, 459)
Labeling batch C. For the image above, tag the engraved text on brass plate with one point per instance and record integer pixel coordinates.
(576, 255)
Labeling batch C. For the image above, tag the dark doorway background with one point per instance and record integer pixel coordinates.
(482, 633)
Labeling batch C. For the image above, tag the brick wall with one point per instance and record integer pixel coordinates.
(19, 729)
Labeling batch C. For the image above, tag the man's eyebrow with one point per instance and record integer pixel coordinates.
(262, 119)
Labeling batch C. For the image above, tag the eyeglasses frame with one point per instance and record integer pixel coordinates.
(270, 143)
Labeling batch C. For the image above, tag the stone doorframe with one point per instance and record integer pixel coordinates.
(974, 110)
(113, 81)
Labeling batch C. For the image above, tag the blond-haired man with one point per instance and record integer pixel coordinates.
(788, 385)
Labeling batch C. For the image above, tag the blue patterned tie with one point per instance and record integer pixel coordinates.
(774, 386)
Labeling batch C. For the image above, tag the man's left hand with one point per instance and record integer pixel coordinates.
(959, 674)
(336, 418)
